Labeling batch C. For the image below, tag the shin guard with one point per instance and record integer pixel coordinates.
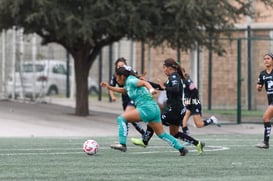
(122, 129)
(170, 140)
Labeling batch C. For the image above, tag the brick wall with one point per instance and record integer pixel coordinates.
(224, 88)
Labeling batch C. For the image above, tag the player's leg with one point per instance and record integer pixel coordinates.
(199, 123)
(127, 116)
(187, 138)
(185, 120)
(145, 138)
(206, 122)
(158, 129)
(137, 125)
(147, 135)
(268, 114)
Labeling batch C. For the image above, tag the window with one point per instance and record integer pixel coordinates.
(59, 69)
(29, 68)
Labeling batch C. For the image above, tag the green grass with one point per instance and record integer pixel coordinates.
(232, 112)
(226, 158)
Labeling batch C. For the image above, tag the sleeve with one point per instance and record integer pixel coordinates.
(174, 84)
(155, 85)
(186, 89)
(260, 79)
(193, 91)
(113, 81)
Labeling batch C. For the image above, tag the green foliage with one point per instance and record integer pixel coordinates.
(95, 23)
(84, 27)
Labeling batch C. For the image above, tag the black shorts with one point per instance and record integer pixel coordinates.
(195, 109)
(128, 103)
(171, 117)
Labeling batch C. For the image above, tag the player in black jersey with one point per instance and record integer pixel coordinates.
(128, 104)
(193, 105)
(172, 115)
(266, 79)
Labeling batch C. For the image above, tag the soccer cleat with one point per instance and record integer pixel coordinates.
(215, 121)
(119, 147)
(200, 147)
(138, 141)
(183, 151)
(263, 145)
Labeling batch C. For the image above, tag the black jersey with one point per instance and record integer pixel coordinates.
(190, 90)
(174, 89)
(125, 97)
(191, 95)
(267, 80)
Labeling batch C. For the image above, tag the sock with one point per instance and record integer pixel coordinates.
(122, 130)
(139, 128)
(207, 122)
(267, 131)
(186, 130)
(127, 128)
(186, 138)
(170, 140)
(147, 135)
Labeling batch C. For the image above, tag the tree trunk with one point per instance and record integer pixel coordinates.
(81, 77)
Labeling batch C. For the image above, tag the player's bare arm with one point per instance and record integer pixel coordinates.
(115, 89)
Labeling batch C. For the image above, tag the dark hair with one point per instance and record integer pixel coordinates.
(269, 54)
(172, 63)
(126, 71)
(121, 59)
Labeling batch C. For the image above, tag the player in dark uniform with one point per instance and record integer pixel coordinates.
(127, 103)
(266, 79)
(193, 105)
(172, 115)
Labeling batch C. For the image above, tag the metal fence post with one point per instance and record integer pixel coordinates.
(239, 57)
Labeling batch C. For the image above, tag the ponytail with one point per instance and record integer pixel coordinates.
(172, 63)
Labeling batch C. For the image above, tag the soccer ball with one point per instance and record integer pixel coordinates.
(90, 147)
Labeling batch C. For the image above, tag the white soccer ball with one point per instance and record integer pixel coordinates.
(90, 147)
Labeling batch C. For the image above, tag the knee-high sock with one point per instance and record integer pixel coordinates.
(122, 129)
(139, 128)
(147, 135)
(186, 138)
(170, 140)
(267, 131)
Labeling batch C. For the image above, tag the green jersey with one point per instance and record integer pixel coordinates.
(140, 95)
(144, 102)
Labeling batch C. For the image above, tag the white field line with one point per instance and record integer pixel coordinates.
(206, 149)
(56, 151)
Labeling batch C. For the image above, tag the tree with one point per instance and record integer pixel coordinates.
(84, 27)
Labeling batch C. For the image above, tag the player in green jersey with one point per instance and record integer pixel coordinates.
(146, 109)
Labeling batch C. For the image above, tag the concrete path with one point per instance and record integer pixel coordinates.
(56, 118)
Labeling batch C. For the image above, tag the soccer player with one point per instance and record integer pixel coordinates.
(127, 104)
(266, 79)
(193, 105)
(171, 116)
(146, 109)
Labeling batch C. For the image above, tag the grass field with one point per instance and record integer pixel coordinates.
(226, 158)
